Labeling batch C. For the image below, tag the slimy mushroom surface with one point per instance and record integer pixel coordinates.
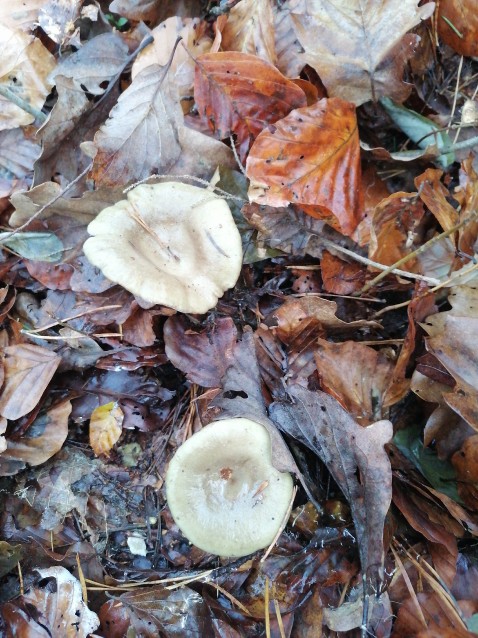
(223, 491)
(170, 243)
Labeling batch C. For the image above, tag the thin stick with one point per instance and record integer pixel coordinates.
(431, 242)
(22, 104)
(375, 264)
(20, 579)
(282, 525)
(409, 586)
(81, 578)
(279, 619)
(455, 96)
(236, 156)
(233, 600)
(52, 201)
(267, 619)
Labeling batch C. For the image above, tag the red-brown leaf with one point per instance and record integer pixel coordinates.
(241, 94)
(312, 159)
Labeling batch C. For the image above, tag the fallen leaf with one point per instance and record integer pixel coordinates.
(457, 24)
(359, 50)
(312, 159)
(24, 68)
(339, 276)
(105, 427)
(195, 41)
(434, 195)
(250, 29)
(43, 439)
(202, 356)
(52, 606)
(141, 135)
(57, 18)
(241, 94)
(20, 14)
(17, 153)
(94, 65)
(319, 422)
(28, 371)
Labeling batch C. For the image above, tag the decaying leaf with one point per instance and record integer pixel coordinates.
(311, 158)
(105, 427)
(57, 606)
(359, 49)
(44, 438)
(250, 29)
(28, 371)
(202, 356)
(319, 422)
(457, 23)
(240, 93)
(25, 64)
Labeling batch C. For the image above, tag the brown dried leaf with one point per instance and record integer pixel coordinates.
(28, 371)
(250, 29)
(105, 427)
(341, 277)
(141, 135)
(434, 195)
(359, 50)
(319, 422)
(463, 16)
(202, 356)
(241, 94)
(53, 607)
(311, 158)
(43, 439)
(453, 335)
(24, 67)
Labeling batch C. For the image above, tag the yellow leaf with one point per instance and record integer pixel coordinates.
(105, 427)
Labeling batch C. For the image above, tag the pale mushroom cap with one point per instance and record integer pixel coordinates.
(171, 244)
(223, 491)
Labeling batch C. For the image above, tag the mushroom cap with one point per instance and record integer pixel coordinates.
(223, 491)
(170, 243)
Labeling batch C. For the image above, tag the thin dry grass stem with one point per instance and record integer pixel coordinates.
(191, 411)
(374, 264)
(343, 593)
(383, 342)
(455, 96)
(267, 619)
(77, 316)
(431, 242)
(279, 619)
(20, 579)
(81, 578)
(193, 178)
(52, 201)
(331, 294)
(97, 335)
(282, 525)
(435, 582)
(233, 600)
(409, 586)
(236, 156)
(94, 585)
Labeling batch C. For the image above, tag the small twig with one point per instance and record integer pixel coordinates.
(375, 264)
(267, 619)
(236, 156)
(279, 619)
(62, 322)
(52, 201)
(282, 525)
(431, 242)
(455, 96)
(22, 104)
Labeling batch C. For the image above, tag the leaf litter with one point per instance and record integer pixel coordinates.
(342, 136)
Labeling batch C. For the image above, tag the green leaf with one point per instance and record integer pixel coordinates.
(34, 246)
(440, 474)
(421, 130)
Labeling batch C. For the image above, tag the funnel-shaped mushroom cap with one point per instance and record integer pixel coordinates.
(223, 491)
(171, 244)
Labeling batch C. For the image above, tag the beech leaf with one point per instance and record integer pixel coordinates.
(358, 48)
(318, 421)
(311, 158)
(28, 371)
(240, 93)
(105, 427)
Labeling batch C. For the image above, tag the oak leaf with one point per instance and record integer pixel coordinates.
(241, 94)
(311, 158)
(358, 48)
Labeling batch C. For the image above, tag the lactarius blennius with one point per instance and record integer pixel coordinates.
(223, 491)
(170, 243)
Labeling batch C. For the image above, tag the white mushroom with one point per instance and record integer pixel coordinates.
(223, 491)
(170, 243)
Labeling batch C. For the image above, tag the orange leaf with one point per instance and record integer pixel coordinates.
(311, 158)
(105, 427)
(463, 16)
(28, 371)
(240, 93)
